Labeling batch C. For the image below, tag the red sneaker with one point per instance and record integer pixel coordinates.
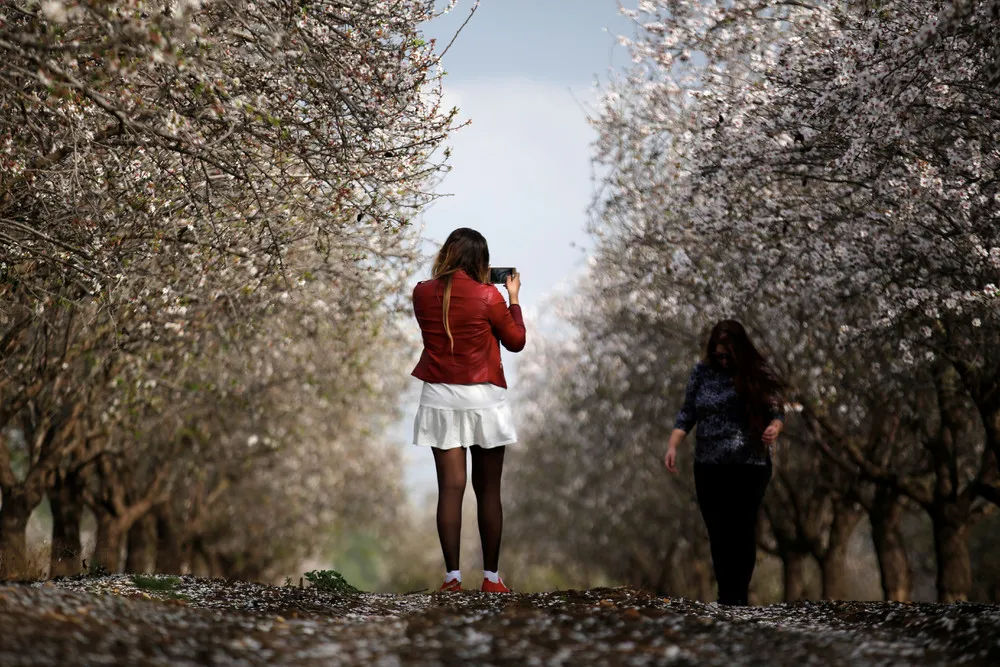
(499, 587)
(451, 586)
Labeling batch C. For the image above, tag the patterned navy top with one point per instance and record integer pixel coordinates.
(712, 403)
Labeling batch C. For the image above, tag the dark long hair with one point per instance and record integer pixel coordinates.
(464, 250)
(757, 384)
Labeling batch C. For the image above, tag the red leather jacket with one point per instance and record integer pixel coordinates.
(479, 318)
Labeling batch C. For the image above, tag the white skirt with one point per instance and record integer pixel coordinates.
(463, 415)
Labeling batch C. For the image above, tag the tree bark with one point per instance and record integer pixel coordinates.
(795, 575)
(229, 567)
(14, 515)
(701, 573)
(67, 509)
(110, 540)
(172, 552)
(890, 549)
(50, 441)
(950, 507)
(989, 487)
(240, 566)
(200, 563)
(951, 546)
(141, 556)
(666, 581)
(685, 573)
(991, 423)
(833, 564)
(984, 387)
(118, 505)
(67, 549)
(642, 575)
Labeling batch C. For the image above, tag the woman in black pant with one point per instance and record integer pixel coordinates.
(735, 399)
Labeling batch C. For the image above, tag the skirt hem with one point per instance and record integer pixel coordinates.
(457, 445)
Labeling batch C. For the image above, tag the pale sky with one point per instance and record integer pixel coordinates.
(524, 72)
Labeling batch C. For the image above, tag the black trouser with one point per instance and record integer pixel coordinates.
(729, 497)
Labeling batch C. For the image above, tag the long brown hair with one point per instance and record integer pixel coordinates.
(757, 384)
(464, 250)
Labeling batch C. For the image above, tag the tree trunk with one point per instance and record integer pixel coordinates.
(666, 581)
(200, 565)
(141, 556)
(989, 486)
(51, 437)
(110, 540)
(702, 575)
(991, 422)
(207, 563)
(833, 565)
(171, 551)
(241, 566)
(14, 515)
(228, 567)
(951, 546)
(893, 565)
(795, 575)
(833, 571)
(67, 508)
(641, 576)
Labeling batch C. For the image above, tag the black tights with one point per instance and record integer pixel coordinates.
(487, 467)
(729, 497)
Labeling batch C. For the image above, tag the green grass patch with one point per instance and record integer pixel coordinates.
(156, 584)
(330, 581)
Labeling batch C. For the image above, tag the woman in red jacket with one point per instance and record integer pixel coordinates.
(463, 319)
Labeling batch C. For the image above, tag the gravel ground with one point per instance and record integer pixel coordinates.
(109, 620)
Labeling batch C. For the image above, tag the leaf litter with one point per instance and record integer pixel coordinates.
(111, 620)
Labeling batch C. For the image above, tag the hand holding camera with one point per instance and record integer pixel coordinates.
(509, 278)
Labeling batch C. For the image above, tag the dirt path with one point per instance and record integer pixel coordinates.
(197, 622)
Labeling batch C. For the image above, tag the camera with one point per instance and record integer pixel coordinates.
(498, 274)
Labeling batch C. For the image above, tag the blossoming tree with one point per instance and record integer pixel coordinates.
(174, 173)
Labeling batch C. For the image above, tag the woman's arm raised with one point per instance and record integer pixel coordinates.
(508, 322)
